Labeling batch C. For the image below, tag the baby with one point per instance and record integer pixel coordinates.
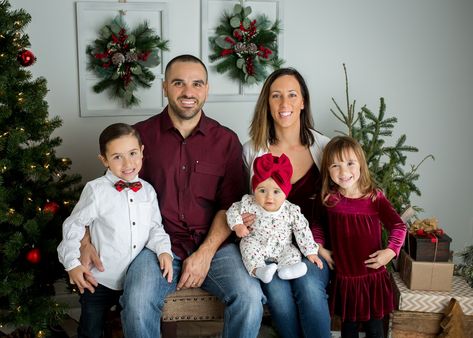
(269, 238)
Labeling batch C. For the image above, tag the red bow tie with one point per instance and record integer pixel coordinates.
(135, 186)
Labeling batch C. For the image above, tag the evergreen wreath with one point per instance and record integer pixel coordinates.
(121, 59)
(245, 48)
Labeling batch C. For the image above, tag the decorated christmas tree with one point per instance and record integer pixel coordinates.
(36, 193)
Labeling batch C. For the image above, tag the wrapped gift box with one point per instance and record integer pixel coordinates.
(432, 301)
(430, 276)
(429, 248)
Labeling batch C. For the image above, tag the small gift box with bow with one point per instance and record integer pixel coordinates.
(427, 242)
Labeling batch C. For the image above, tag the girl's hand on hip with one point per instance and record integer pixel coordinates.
(380, 258)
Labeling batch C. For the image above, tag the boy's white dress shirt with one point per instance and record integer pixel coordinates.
(121, 225)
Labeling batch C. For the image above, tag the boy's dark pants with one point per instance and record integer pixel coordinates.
(94, 306)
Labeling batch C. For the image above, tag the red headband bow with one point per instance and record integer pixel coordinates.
(278, 168)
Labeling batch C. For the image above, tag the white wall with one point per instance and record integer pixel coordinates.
(416, 54)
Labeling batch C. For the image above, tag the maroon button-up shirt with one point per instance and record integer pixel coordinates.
(194, 177)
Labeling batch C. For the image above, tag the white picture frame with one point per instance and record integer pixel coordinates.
(90, 18)
(223, 88)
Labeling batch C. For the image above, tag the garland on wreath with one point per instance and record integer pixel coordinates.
(121, 59)
(245, 48)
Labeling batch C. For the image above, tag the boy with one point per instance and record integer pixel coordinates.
(123, 215)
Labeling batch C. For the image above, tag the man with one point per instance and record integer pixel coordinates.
(196, 167)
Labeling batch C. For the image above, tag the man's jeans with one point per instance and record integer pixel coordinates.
(146, 289)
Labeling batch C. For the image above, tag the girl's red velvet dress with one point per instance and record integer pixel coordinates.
(359, 293)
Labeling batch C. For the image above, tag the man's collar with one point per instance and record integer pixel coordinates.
(202, 125)
(167, 123)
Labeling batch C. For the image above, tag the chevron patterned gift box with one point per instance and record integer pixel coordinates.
(432, 301)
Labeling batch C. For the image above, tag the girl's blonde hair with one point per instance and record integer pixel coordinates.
(262, 131)
(336, 149)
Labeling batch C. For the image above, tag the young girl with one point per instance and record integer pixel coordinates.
(270, 236)
(356, 211)
(123, 215)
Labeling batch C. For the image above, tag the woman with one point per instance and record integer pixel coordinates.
(282, 123)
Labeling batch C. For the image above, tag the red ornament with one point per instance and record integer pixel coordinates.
(51, 207)
(26, 58)
(33, 256)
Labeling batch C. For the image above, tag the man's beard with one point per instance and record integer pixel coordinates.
(185, 114)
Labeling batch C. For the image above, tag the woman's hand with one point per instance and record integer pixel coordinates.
(380, 258)
(327, 255)
(248, 220)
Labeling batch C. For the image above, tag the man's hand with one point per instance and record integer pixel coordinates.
(89, 257)
(194, 270)
(165, 264)
(316, 260)
(80, 276)
(88, 254)
(196, 267)
(241, 230)
(327, 255)
(380, 258)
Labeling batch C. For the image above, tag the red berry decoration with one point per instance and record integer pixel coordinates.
(33, 256)
(51, 207)
(26, 58)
